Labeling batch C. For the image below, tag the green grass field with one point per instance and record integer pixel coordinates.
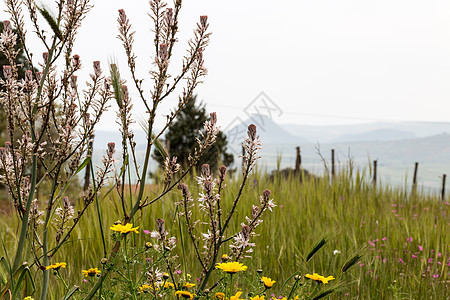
(404, 237)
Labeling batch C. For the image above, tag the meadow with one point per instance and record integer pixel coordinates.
(214, 234)
(402, 236)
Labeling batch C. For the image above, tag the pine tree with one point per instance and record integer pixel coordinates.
(181, 134)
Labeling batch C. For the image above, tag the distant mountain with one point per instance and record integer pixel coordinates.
(393, 145)
(269, 131)
(103, 137)
(326, 134)
(385, 134)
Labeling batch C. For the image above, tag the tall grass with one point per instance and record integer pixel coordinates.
(402, 235)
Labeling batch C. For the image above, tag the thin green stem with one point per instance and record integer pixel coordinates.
(45, 251)
(60, 278)
(127, 263)
(182, 246)
(98, 206)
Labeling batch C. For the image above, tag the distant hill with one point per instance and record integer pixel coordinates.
(396, 146)
(385, 134)
(326, 134)
(269, 131)
(103, 137)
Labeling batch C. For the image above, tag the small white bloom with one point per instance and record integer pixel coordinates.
(336, 252)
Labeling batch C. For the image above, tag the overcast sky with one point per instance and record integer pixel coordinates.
(320, 61)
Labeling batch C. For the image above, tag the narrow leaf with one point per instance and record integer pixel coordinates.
(71, 292)
(350, 262)
(24, 275)
(116, 84)
(316, 248)
(52, 22)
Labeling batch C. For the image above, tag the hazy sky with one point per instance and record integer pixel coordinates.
(321, 62)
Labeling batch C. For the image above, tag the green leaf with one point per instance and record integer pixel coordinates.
(316, 248)
(82, 166)
(287, 280)
(71, 292)
(13, 280)
(160, 147)
(350, 262)
(25, 274)
(5, 271)
(116, 84)
(323, 294)
(51, 21)
(157, 142)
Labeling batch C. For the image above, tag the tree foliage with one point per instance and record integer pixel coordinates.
(181, 138)
(21, 62)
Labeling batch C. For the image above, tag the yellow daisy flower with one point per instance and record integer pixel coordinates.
(124, 229)
(168, 285)
(56, 266)
(236, 297)
(184, 294)
(314, 276)
(257, 297)
(145, 287)
(91, 272)
(326, 279)
(28, 298)
(268, 283)
(320, 278)
(188, 285)
(219, 295)
(231, 267)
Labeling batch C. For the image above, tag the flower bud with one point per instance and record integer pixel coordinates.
(184, 189)
(76, 62)
(222, 171)
(245, 231)
(205, 170)
(28, 76)
(213, 118)
(122, 16)
(252, 132)
(111, 149)
(73, 82)
(45, 57)
(7, 72)
(97, 69)
(7, 27)
(255, 212)
(203, 20)
(160, 226)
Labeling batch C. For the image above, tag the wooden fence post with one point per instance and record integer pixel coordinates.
(298, 161)
(416, 167)
(444, 177)
(374, 180)
(332, 164)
